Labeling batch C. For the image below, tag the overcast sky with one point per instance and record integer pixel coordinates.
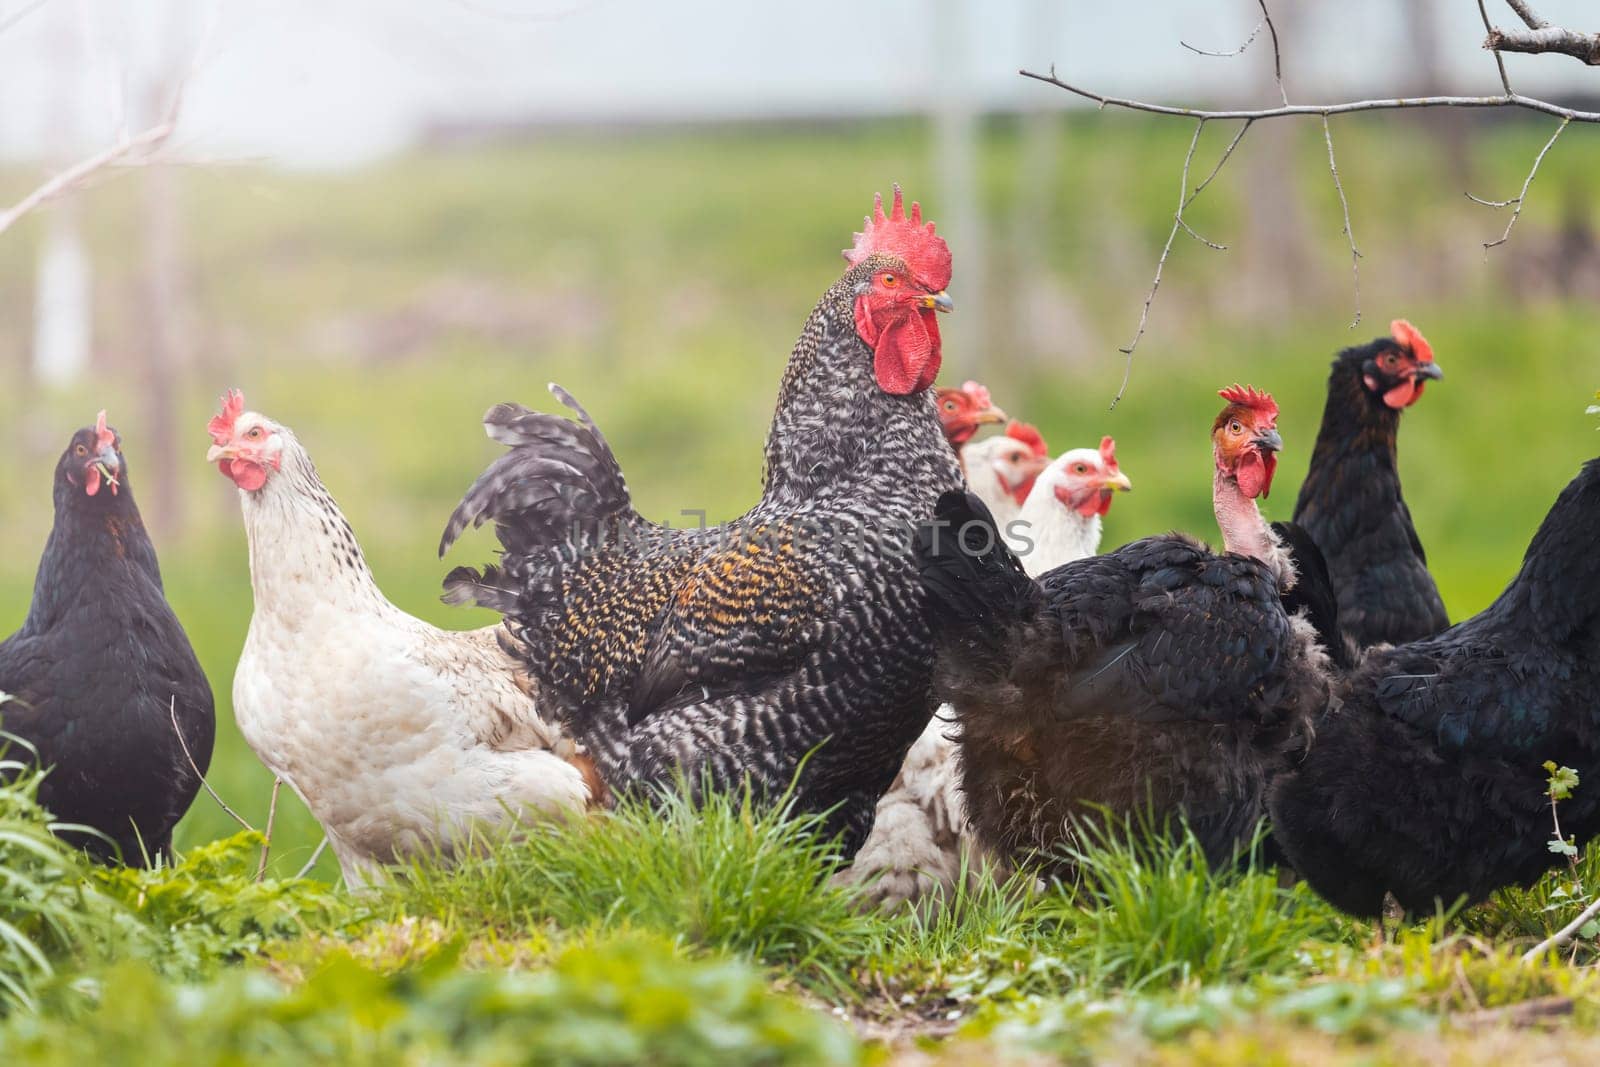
(336, 82)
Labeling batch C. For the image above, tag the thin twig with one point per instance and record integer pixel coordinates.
(1248, 41)
(1499, 60)
(1166, 250)
(145, 142)
(1277, 57)
(1185, 198)
(1563, 935)
(1521, 196)
(1526, 13)
(316, 854)
(1355, 253)
(1517, 100)
(266, 837)
(1552, 40)
(172, 711)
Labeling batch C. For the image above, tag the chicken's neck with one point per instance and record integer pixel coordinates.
(1355, 447)
(1245, 531)
(303, 553)
(1054, 534)
(836, 433)
(97, 545)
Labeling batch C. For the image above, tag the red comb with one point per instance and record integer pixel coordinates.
(1251, 397)
(908, 238)
(978, 393)
(221, 425)
(103, 437)
(1108, 452)
(1410, 337)
(1028, 434)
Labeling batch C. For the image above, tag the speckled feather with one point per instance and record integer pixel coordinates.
(686, 649)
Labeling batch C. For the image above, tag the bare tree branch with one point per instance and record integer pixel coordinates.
(1499, 60)
(1584, 47)
(1521, 196)
(1355, 253)
(141, 145)
(1248, 41)
(1277, 56)
(172, 711)
(1526, 13)
(1350, 107)
(1563, 935)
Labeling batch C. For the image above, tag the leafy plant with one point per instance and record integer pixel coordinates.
(628, 1000)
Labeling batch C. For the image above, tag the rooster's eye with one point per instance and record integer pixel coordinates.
(890, 281)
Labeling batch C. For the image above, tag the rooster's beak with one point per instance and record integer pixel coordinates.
(218, 452)
(1268, 441)
(939, 301)
(1119, 481)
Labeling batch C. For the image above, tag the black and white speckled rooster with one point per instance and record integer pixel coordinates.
(797, 630)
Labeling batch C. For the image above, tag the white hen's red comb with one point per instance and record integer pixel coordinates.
(221, 425)
(1108, 453)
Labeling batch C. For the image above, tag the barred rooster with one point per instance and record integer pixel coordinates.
(1350, 502)
(1161, 674)
(1428, 782)
(793, 636)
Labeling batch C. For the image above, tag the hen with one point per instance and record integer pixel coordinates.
(792, 637)
(1001, 469)
(398, 736)
(921, 842)
(101, 679)
(1350, 502)
(1428, 782)
(1162, 674)
(964, 411)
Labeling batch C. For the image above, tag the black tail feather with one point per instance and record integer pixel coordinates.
(977, 591)
(492, 589)
(559, 479)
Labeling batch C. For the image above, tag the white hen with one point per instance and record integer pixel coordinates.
(399, 736)
(1001, 469)
(920, 845)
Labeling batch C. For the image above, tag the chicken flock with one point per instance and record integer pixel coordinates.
(912, 632)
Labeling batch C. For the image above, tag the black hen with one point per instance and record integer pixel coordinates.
(1160, 674)
(1429, 783)
(1350, 502)
(101, 667)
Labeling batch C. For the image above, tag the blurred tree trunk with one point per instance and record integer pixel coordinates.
(164, 343)
(959, 214)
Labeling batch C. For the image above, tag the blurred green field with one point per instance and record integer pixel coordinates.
(662, 278)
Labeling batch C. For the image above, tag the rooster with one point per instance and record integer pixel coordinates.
(1001, 469)
(790, 638)
(398, 736)
(1161, 674)
(103, 684)
(1350, 502)
(921, 842)
(1428, 781)
(964, 411)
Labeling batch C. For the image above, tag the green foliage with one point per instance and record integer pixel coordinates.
(47, 912)
(209, 907)
(1154, 912)
(726, 873)
(628, 1000)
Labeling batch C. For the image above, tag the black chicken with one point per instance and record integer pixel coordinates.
(793, 636)
(1162, 673)
(1428, 782)
(101, 667)
(1350, 502)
